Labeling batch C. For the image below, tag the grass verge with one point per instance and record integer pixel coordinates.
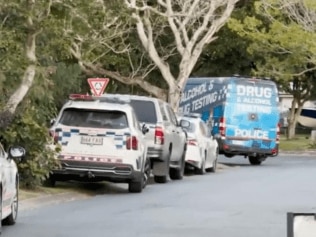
(299, 143)
(92, 189)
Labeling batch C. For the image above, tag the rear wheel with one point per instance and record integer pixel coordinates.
(177, 173)
(136, 187)
(160, 179)
(50, 181)
(146, 173)
(201, 170)
(214, 167)
(255, 160)
(11, 219)
(163, 168)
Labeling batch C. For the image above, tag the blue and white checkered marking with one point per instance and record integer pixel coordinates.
(119, 138)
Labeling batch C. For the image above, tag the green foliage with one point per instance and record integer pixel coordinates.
(66, 79)
(226, 56)
(275, 41)
(34, 137)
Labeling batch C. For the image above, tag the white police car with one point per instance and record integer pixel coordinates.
(9, 181)
(100, 139)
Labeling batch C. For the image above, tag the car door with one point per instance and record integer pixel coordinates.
(6, 177)
(178, 137)
(202, 140)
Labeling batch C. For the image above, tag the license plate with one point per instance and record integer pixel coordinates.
(90, 140)
(237, 142)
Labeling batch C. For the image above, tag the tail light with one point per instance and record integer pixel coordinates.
(54, 135)
(132, 143)
(278, 133)
(192, 142)
(159, 136)
(222, 127)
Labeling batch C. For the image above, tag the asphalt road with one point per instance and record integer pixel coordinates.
(240, 201)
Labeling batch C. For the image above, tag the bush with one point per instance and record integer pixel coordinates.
(34, 137)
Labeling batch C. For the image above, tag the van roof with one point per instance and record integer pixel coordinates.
(138, 97)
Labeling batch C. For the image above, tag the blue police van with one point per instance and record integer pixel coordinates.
(242, 113)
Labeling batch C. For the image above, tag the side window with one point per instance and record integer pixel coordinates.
(163, 112)
(172, 116)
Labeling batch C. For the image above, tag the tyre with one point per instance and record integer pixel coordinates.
(50, 181)
(165, 167)
(255, 160)
(11, 219)
(177, 173)
(136, 186)
(160, 179)
(201, 170)
(213, 169)
(146, 173)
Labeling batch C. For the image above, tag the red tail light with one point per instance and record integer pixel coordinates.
(159, 136)
(278, 133)
(222, 126)
(132, 143)
(192, 142)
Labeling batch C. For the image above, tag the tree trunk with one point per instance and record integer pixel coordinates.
(29, 74)
(174, 97)
(20, 93)
(293, 118)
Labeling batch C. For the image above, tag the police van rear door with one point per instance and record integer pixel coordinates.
(252, 114)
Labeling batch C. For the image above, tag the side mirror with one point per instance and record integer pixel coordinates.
(184, 123)
(52, 121)
(16, 152)
(145, 129)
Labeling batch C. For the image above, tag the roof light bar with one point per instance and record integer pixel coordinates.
(81, 97)
(108, 99)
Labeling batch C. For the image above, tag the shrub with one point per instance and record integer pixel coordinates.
(34, 137)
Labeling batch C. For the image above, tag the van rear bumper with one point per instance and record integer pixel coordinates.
(246, 151)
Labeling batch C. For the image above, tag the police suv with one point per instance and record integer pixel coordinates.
(100, 139)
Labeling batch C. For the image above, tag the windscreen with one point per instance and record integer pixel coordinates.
(145, 111)
(94, 118)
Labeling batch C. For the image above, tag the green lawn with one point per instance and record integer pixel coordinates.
(299, 143)
(66, 187)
